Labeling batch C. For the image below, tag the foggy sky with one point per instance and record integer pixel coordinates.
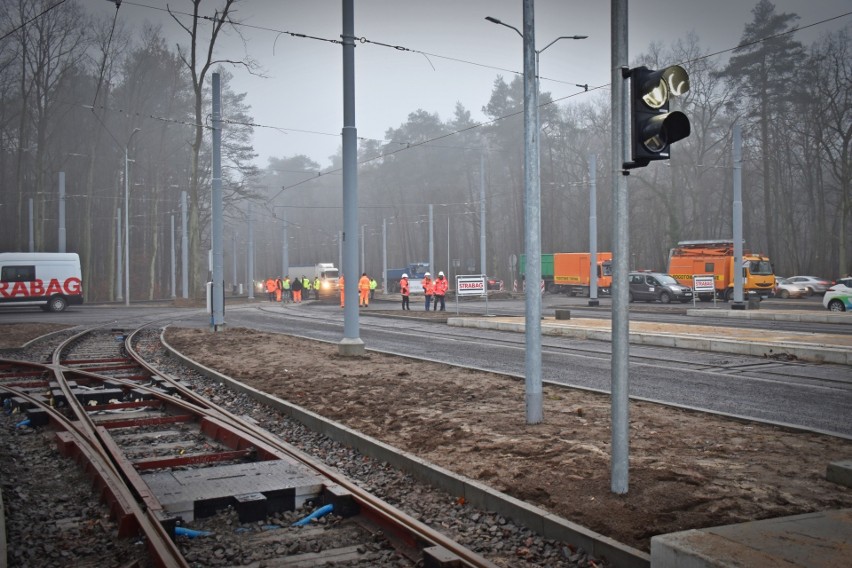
(302, 87)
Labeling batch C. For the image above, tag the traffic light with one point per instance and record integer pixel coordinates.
(653, 128)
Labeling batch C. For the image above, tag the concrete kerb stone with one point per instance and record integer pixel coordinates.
(804, 352)
(474, 493)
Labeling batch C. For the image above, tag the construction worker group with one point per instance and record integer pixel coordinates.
(286, 291)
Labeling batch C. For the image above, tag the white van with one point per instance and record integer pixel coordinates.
(45, 279)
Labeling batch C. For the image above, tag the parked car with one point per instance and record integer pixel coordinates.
(846, 281)
(838, 299)
(815, 284)
(652, 286)
(786, 289)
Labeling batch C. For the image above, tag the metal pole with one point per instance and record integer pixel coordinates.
(126, 227)
(593, 232)
(363, 260)
(234, 249)
(127, 220)
(737, 150)
(250, 260)
(385, 256)
(61, 211)
(482, 247)
(340, 250)
(431, 243)
(285, 249)
(620, 288)
(184, 248)
(351, 343)
(532, 225)
(449, 261)
(32, 226)
(217, 206)
(119, 265)
(173, 264)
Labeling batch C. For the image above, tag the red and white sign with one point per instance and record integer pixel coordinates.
(470, 285)
(37, 289)
(703, 283)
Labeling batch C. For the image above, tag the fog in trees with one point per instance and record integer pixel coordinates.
(74, 90)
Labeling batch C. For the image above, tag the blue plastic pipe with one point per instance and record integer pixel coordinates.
(181, 531)
(321, 512)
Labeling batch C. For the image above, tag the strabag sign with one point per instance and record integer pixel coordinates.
(37, 289)
(703, 283)
(470, 285)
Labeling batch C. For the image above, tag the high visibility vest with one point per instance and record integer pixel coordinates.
(441, 286)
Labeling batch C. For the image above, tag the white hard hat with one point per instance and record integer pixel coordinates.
(440, 274)
(427, 274)
(405, 275)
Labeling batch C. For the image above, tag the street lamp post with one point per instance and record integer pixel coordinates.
(532, 221)
(127, 220)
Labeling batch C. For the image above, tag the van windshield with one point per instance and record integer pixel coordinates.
(666, 279)
(329, 273)
(760, 267)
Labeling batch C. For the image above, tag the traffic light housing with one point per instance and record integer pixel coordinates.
(652, 127)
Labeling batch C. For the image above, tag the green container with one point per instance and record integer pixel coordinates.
(546, 266)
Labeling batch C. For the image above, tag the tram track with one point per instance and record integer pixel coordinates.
(108, 406)
(649, 357)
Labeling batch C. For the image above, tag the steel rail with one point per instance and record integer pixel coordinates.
(160, 544)
(377, 507)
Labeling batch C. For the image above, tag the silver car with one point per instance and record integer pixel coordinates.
(815, 285)
(786, 289)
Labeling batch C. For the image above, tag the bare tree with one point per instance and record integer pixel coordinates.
(199, 60)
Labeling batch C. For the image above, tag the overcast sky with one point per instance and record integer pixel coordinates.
(302, 90)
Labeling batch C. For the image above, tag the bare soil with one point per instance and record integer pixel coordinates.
(13, 335)
(687, 469)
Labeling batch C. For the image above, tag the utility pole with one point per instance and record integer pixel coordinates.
(61, 211)
(351, 344)
(184, 248)
(217, 289)
(620, 399)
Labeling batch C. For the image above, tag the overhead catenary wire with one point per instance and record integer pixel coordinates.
(409, 146)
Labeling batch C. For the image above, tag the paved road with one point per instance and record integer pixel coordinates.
(811, 396)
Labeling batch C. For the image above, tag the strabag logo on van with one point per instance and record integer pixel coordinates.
(71, 287)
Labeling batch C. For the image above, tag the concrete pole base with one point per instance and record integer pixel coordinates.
(349, 347)
(594, 303)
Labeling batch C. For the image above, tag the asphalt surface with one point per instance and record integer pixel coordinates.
(779, 390)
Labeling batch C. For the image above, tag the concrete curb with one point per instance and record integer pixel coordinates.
(803, 351)
(821, 317)
(546, 524)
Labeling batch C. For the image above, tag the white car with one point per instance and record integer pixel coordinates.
(838, 298)
(786, 289)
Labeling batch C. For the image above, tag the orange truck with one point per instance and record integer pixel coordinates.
(690, 258)
(571, 272)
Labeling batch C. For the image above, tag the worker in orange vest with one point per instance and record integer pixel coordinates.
(270, 289)
(428, 288)
(340, 285)
(440, 290)
(364, 291)
(405, 290)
